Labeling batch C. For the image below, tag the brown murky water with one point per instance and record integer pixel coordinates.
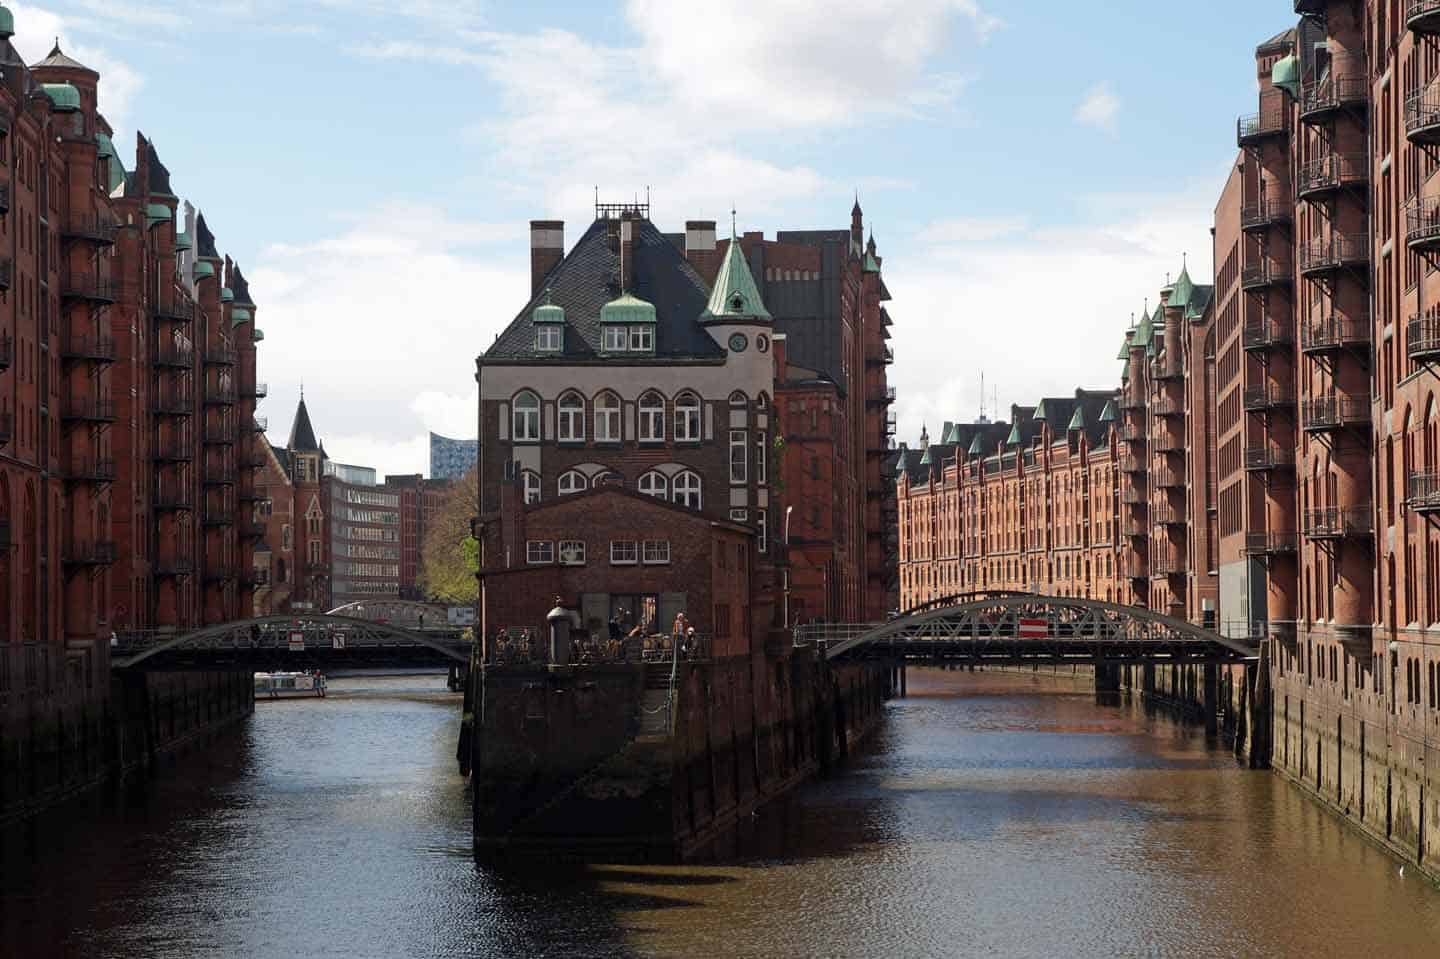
(990, 816)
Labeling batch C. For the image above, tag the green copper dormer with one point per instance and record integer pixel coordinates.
(7, 23)
(227, 295)
(977, 446)
(870, 266)
(1285, 74)
(925, 457)
(627, 308)
(204, 268)
(238, 316)
(1040, 415)
(1111, 413)
(157, 213)
(104, 146)
(734, 296)
(1014, 438)
(183, 241)
(1077, 422)
(257, 335)
(1184, 290)
(548, 312)
(63, 96)
(1144, 333)
(1125, 347)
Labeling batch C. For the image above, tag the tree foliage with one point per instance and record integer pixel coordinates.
(449, 555)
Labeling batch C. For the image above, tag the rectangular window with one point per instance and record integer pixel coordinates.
(761, 516)
(738, 441)
(538, 551)
(642, 339)
(286, 542)
(548, 339)
(740, 515)
(572, 552)
(657, 552)
(614, 339)
(760, 460)
(624, 553)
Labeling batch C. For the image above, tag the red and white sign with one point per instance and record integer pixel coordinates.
(1034, 628)
(297, 642)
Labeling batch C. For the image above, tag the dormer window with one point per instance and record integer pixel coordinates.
(549, 339)
(642, 339)
(615, 339)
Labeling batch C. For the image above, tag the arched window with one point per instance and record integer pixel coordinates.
(652, 418)
(572, 417)
(654, 484)
(530, 482)
(526, 426)
(607, 418)
(687, 417)
(762, 402)
(738, 399)
(572, 481)
(687, 489)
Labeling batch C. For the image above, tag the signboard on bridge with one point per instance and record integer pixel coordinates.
(297, 642)
(337, 641)
(1034, 628)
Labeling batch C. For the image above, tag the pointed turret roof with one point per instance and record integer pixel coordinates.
(977, 447)
(59, 60)
(735, 294)
(239, 286)
(1077, 422)
(302, 434)
(1184, 289)
(1111, 413)
(204, 240)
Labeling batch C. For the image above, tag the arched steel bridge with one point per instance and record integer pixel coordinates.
(293, 641)
(1025, 628)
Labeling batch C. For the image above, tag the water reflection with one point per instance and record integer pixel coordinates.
(988, 816)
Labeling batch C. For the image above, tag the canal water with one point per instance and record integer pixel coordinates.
(991, 815)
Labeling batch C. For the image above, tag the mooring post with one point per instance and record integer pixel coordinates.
(1212, 699)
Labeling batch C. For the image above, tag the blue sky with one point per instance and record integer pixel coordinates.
(1032, 168)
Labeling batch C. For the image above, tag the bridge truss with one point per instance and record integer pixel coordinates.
(1013, 628)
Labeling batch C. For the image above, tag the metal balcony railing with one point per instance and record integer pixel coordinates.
(1423, 16)
(88, 553)
(174, 567)
(172, 501)
(1169, 479)
(95, 227)
(1265, 398)
(1334, 333)
(1270, 544)
(1134, 464)
(219, 573)
(174, 310)
(252, 530)
(218, 395)
(1326, 174)
(1336, 523)
(88, 286)
(218, 474)
(1272, 121)
(86, 469)
(1265, 274)
(7, 272)
(1422, 339)
(261, 390)
(1422, 115)
(1260, 458)
(172, 451)
(7, 351)
(4, 198)
(1165, 443)
(261, 424)
(1328, 413)
(1133, 434)
(175, 357)
(88, 411)
(1134, 497)
(1137, 530)
(172, 402)
(216, 518)
(1167, 516)
(1131, 400)
(220, 356)
(88, 347)
(1425, 492)
(1271, 210)
(1339, 251)
(1422, 224)
(1168, 564)
(219, 434)
(1167, 368)
(1347, 85)
(1264, 334)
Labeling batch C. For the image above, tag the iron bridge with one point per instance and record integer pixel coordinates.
(1028, 628)
(293, 641)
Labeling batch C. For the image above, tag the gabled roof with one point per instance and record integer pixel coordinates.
(159, 184)
(239, 286)
(204, 240)
(1183, 290)
(735, 294)
(1199, 302)
(302, 434)
(59, 60)
(1144, 333)
(588, 278)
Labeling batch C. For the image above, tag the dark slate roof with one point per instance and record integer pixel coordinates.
(13, 71)
(159, 183)
(1092, 405)
(205, 240)
(912, 467)
(586, 280)
(58, 59)
(1023, 418)
(1200, 301)
(239, 287)
(302, 434)
(283, 456)
(1285, 39)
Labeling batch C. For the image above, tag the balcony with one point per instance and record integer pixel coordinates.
(1325, 176)
(891, 426)
(88, 348)
(87, 411)
(172, 452)
(1425, 493)
(1260, 459)
(1132, 434)
(248, 494)
(82, 469)
(1168, 564)
(172, 501)
(1264, 275)
(220, 356)
(1271, 123)
(1136, 530)
(1422, 339)
(1422, 225)
(1347, 87)
(1134, 497)
(216, 395)
(171, 356)
(1270, 544)
(1169, 406)
(1334, 334)
(219, 475)
(1267, 212)
(177, 310)
(172, 403)
(1169, 479)
(7, 351)
(218, 518)
(83, 554)
(259, 391)
(1328, 414)
(1422, 116)
(261, 424)
(88, 287)
(1165, 443)
(1167, 516)
(1134, 464)
(219, 434)
(1423, 16)
(1339, 523)
(1131, 401)
(1264, 335)
(885, 398)
(252, 530)
(1264, 399)
(1340, 251)
(885, 357)
(1168, 368)
(174, 568)
(98, 228)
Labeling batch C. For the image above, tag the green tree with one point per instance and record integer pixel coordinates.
(450, 556)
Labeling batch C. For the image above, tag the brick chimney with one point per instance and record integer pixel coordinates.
(547, 248)
(777, 343)
(700, 248)
(629, 226)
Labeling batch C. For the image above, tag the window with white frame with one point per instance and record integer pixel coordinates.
(761, 518)
(642, 339)
(654, 484)
(526, 425)
(739, 439)
(687, 417)
(738, 400)
(624, 552)
(761, 460)
(656, 552)
(571, 410)
(572, 481)
(740, 514)
(538, 551)
(530, 482)
(549, 338)
(652, 418)
(687, 489)
(615, 339)
(572, 552)
(607, 418)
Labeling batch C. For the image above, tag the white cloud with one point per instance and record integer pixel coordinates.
(972, 229)
(1100, 108)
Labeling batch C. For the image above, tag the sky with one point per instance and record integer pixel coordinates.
(1032, 169)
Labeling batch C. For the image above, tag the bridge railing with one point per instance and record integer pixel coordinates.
(810, 634)
(652, 649)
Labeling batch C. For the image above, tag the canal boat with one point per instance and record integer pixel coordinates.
(289, 685)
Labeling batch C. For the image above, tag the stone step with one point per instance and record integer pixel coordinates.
(654, 717)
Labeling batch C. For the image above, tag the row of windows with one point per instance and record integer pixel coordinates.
(650, 552)
(370, 516)
(367, 533)
(357, 551)
(684, 488)
(605, 409)
(367, 498)
(347, 588)
(367, 569)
